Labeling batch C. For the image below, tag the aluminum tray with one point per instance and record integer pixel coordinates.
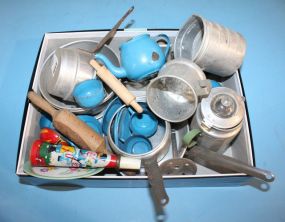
(241, 148)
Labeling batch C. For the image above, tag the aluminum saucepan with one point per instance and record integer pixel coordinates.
(50, 65)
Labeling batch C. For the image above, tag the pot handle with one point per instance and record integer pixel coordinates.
(204, 88)
(188, 138)
(163, 37)
(189, 141)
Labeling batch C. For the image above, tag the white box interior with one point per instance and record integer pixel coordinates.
(241, 148)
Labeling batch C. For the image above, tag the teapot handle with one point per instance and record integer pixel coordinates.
(165, 38)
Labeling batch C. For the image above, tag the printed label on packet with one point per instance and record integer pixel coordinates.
(68, 156)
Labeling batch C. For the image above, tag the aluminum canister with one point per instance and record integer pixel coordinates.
(220, 118)
(174, 94)
(214, 48)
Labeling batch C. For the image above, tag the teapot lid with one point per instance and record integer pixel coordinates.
(222, 109)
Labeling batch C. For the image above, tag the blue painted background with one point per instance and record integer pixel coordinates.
(22, 25)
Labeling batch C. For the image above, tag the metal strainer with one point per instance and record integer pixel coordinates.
(173, 95)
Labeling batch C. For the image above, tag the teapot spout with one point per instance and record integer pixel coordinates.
(119, 72)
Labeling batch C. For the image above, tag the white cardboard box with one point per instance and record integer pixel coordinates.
(241, 149)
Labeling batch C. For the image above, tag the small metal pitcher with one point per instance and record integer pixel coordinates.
(220, 118)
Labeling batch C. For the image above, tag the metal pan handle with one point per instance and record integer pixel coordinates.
(207, 157)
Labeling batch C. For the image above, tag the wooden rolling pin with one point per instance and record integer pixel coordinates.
(106, 76)
(70, 126)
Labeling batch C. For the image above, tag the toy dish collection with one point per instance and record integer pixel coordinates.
(90, 120)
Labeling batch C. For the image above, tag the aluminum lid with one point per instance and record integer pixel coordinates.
(222, 109)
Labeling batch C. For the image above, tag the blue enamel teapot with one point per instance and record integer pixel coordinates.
(141, 57)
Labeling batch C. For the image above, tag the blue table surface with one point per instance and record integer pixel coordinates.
(22, 25)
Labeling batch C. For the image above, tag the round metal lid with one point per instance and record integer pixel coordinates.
(222, 109)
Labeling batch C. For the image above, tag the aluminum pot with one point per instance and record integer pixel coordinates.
(160, 150)
(68, 68)
(174, 94)
(219, 117)
(49, 66)
(214, 48)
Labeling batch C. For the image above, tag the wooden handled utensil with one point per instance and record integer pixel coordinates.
(70, 126)
(106, 76)
(113, 31)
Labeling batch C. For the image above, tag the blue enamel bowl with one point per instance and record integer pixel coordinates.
(92, 122)
(109, 113)
(89, 93)
(137, 145)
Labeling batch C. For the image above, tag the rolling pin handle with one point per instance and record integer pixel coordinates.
(136, 106)
(41, 103)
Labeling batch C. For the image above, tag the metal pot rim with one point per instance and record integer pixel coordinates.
(72, 109)
(188, 25)
(146, 155)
